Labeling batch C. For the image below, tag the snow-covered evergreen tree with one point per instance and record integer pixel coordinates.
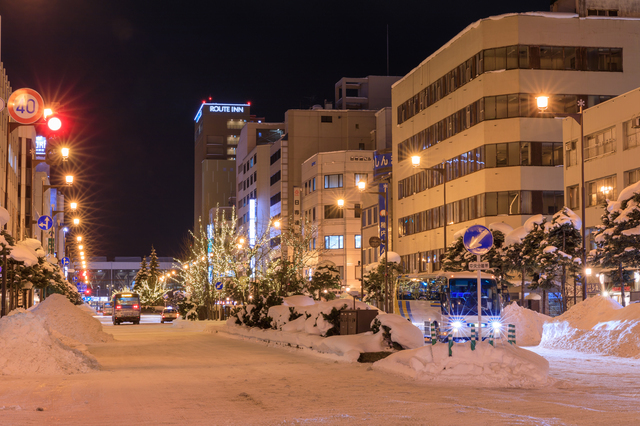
(618, 238)
(142, 275)
(325, 279)
(154, 269)
(558, 255)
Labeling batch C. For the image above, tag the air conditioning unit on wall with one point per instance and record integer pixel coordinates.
(635, 122)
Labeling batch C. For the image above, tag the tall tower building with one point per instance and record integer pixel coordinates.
(470, 108)
(216, 135)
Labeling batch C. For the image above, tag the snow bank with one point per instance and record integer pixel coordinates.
(402, 332)
(88, 309)
(63, 317)
(528, 324)
(598, 325)
(28, 348)
(499, 366)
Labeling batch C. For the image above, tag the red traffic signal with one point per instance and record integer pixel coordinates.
(87, 292)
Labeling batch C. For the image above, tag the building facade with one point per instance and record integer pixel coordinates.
(329, 177)
(470, 108)
(216, 134)
(611, 155)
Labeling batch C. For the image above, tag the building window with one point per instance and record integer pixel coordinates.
(600, 143)
(333, 212)
(275, 199)
(326, 119)
(631, 177)
(358, 241)
(313, 214)
(276, 178)
(275, 156)
(235, 124)
(573, 197)
(333, 181)
(361, 176)
(600, 190)
(631, 134)
(313, 184)
(571, 153)
(334, 242)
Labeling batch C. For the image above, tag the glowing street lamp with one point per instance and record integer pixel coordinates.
(73, 205)
(68, 179)
(543, 103)
(79, 238)
(76, 222)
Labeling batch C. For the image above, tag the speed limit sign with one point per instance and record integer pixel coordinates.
(25, 106)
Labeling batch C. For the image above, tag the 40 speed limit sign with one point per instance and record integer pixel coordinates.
(25, 106)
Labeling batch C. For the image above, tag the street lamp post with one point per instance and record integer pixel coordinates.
(543, 104)
(362, 186)
(341, 203)
(415, 161)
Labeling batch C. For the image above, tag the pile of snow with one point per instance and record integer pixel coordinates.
(311, 320)
(598, 325)
(528, 324)
(61, 316)
(402, 332)
(28, 348)
(88, 309)
(504, 365)
(309, 327)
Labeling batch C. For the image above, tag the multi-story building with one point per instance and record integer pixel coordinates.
(217, 131)
(329, 177)
(611, 158)
(470, 108)
(372, 92)
(253, 182)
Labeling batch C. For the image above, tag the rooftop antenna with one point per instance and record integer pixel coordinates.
(387, 50)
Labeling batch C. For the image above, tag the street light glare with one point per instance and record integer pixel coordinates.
(340, 202)
(415, 160)
(542, 102)
(362, 185)
(69, 179)
(73, 205)
(76, 221)
(79, 238)
(64, 152)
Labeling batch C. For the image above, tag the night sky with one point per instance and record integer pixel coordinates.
(130, 75)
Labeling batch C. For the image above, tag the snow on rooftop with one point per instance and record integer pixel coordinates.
(476, 24)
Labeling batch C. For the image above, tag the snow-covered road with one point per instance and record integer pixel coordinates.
(159, 374)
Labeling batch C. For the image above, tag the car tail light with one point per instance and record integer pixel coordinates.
(135, 306)
(118, 307)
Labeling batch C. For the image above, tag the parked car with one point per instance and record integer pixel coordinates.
(168, 314)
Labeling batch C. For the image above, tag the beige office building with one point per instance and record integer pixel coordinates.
(611, 157)
(470, 107)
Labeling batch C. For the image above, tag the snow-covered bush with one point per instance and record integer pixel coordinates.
(257, 315)
(188, 308)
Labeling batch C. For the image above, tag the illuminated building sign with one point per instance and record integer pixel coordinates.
(222, 108)
(41, 146)
(226, 108)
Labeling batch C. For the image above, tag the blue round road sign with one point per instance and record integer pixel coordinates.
(219, 285)
(478, 239)
(65, 261)
(45, 223)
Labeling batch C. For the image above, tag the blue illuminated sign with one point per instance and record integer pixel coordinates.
(221, 108)
(41, 145)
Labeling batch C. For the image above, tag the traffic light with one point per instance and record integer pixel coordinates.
(87, 292)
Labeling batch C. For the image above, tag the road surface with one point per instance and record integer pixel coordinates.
(157, 374)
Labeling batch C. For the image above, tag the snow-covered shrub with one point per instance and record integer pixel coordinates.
(397, 331)
(333, 318)
(188, 308)
(257, 315)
